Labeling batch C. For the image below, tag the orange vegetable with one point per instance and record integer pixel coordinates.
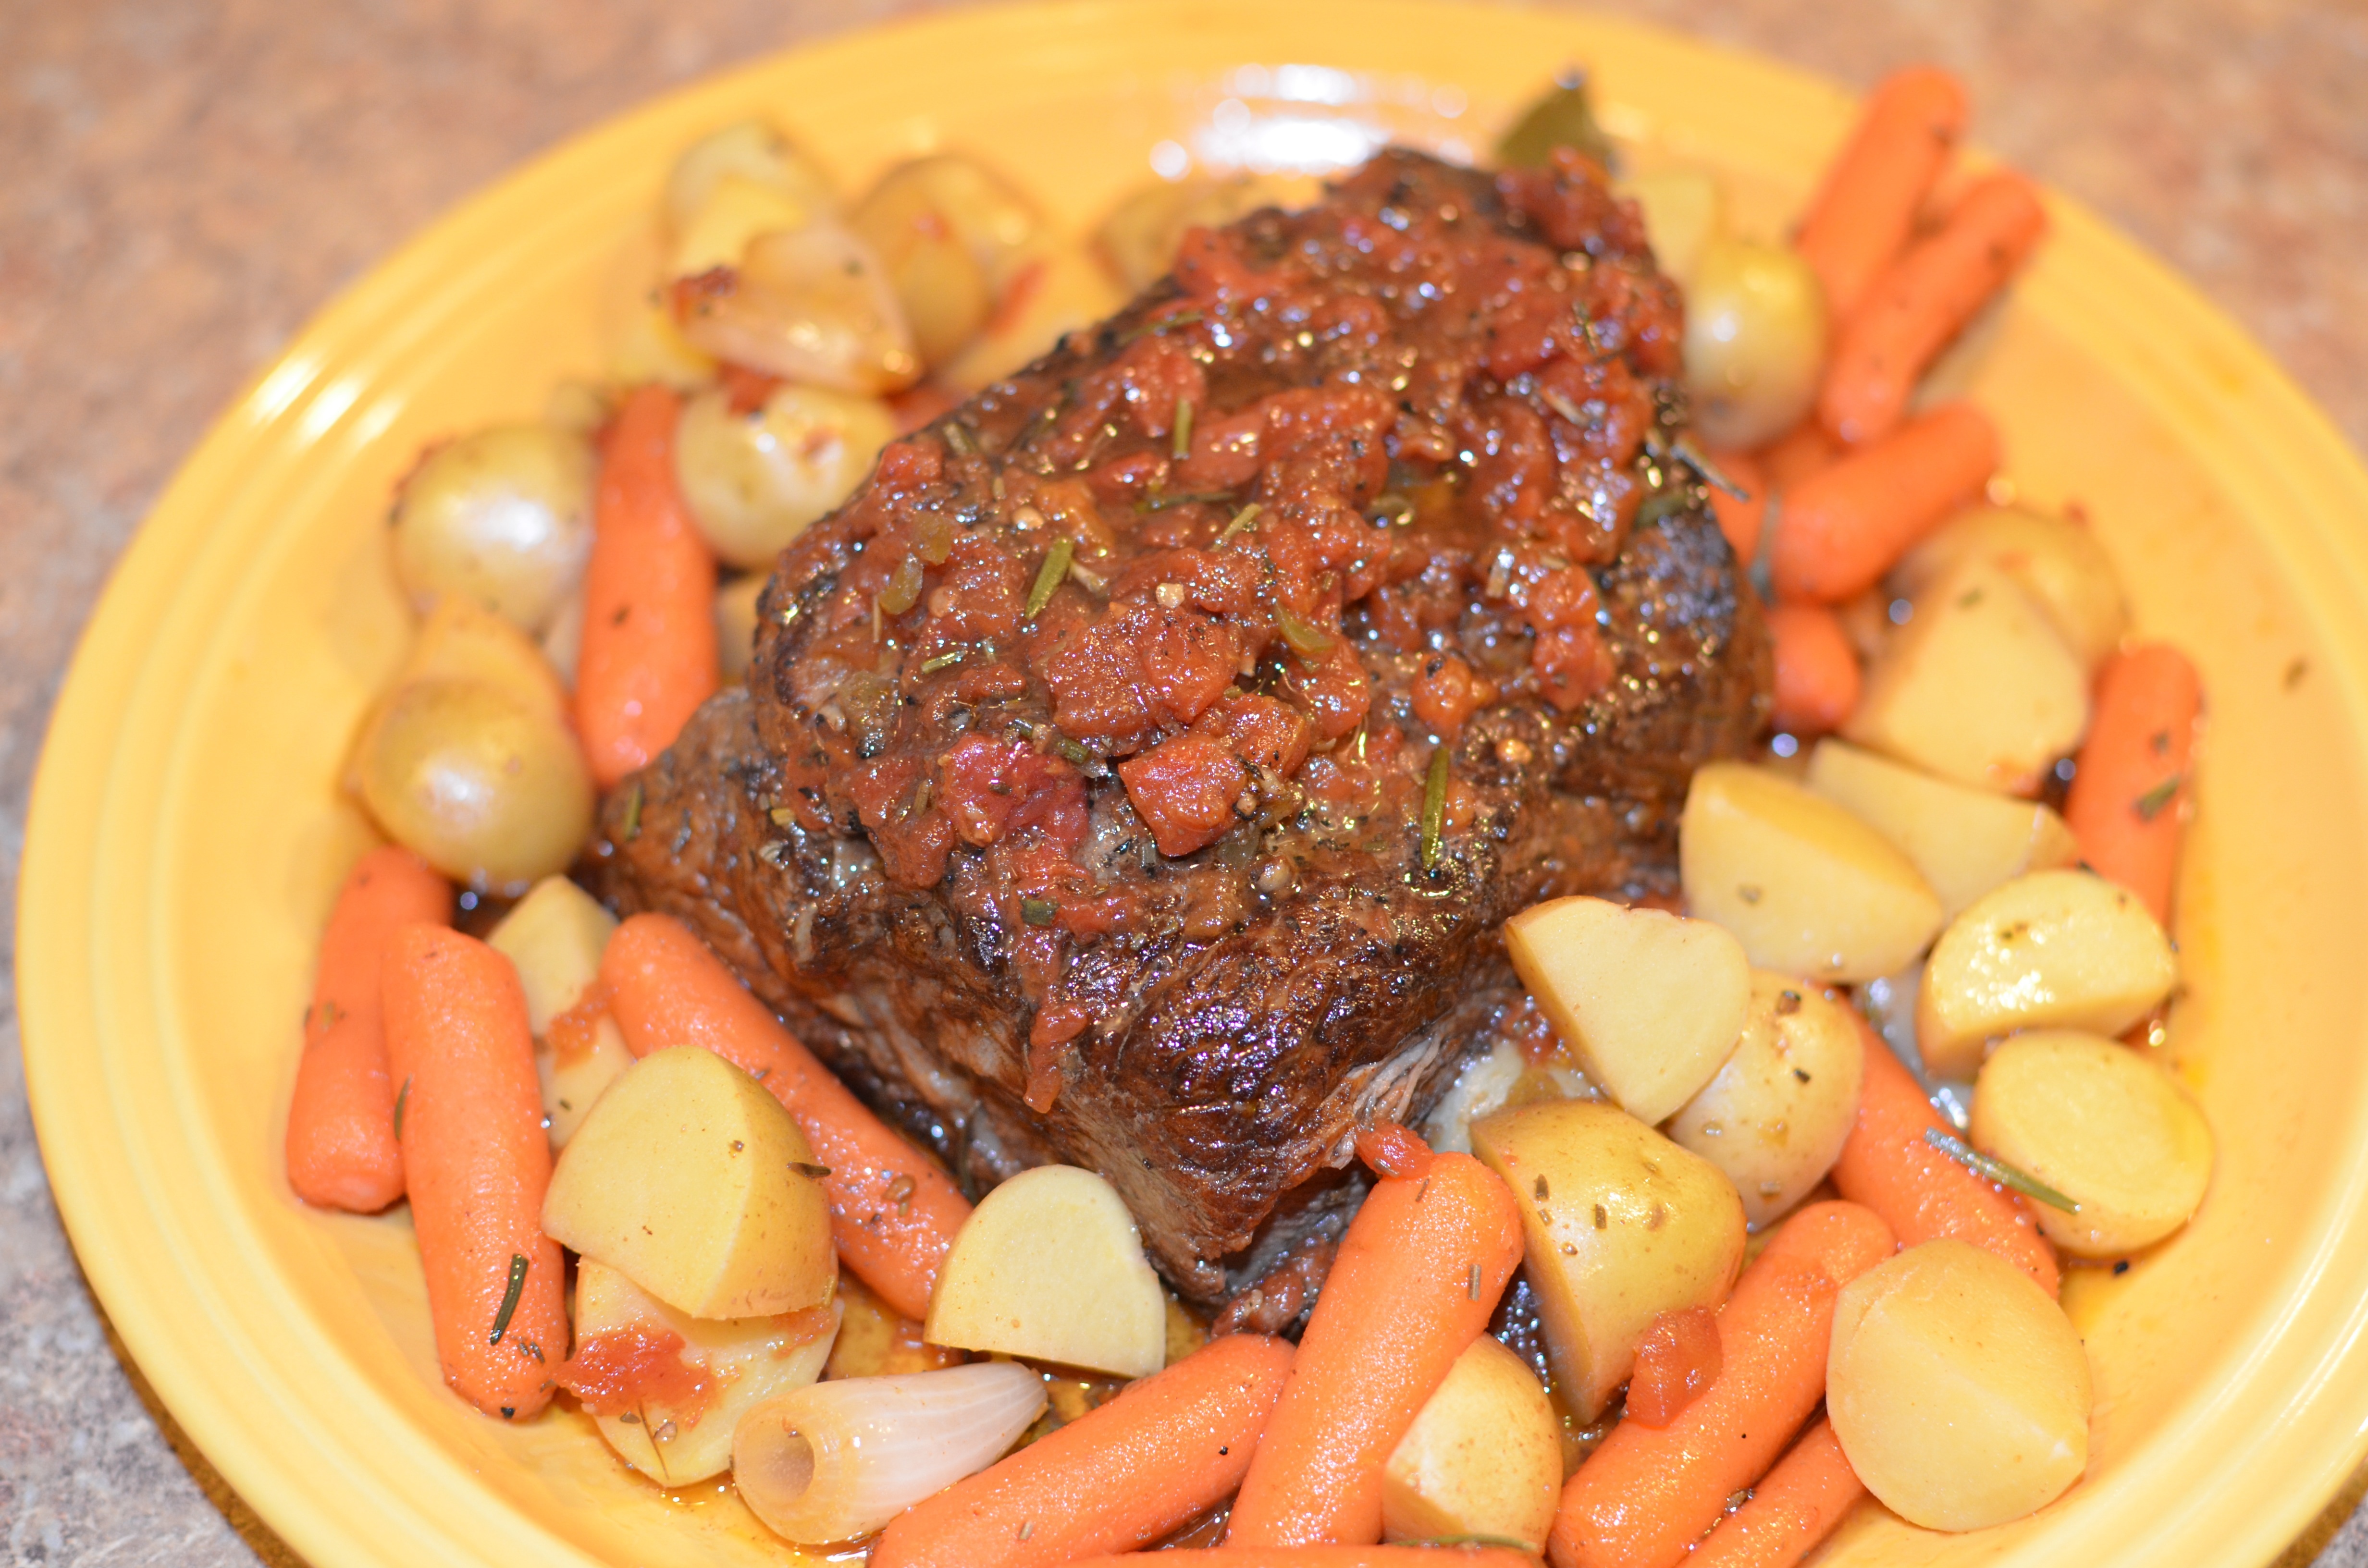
(2133, 785)
(341, 1147)
(1165, 1450)
(1920, 1192)
(1921, 301)
(1792, 1510)
(1842, 527)
(1740, 521)
(1643, 1497)
(477, 1163)
(1677, 1359)
(1793, 457)
(649, 654)
(1816, 668)
(1416, 1277)
(1862, 216)
(893, 1211)
(1325, 1556)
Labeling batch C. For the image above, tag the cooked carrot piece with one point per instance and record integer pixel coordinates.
(1324, 1557)
(1796, 1505)
(342, 1152)
(1888, 1165)
(1861, 218)
(1645, 1496)
(2134, 781)
(477, 1163)
(1416, 1277)
(1740, 518)
(893, 1211)
(649, 654)
(1817, 669)
(1165, 1450)
(1792, 457)
(1842, 527)
(1921, 301)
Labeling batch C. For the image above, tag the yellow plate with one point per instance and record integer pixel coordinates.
(186, 833)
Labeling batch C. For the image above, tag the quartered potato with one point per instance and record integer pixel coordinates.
(1755, 344)
(950, 231)
(1683, 210)
(1053, 291)
(2061, 949)
(735, 624)
(810, 304)
(1484, 1457)
(1775, 1117)
(1964, 841)
(2104, 1125)
(2057, 561)
(736, 211)
(647, 345)
(1978, 687)
(1651, 1003)
(1808, 888)
(1958, 1389)
(1619, 1225)
(727, 1366)
(553, 938)
(502, 518)
(692, 1181)
(1050, 1266)
(750, 151)
(752, 481)
(1139, 239)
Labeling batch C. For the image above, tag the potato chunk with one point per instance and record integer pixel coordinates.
(1807, 887)
(2102, 1124)
(1964, 841)
(2052, 948)
(1482, 1458)
(1050, 1266)
(1651, 1003)
(553, 938)
(1619, 1225)
(1978, 687)
(693, 1182)
(667, 1388)
(1775, 1117)
(2058, 563)
(1959, 1390)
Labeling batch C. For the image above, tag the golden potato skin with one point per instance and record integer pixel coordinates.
(2103, 1124)
(754, 481)
(501, 517)
(1619, 1225)
(1484, 1457)
(1775, 1117)
(1755, 341)
(1959, 1390)
(2058, 561)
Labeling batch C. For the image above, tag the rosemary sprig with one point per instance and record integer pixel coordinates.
(1182, 499)
(1182, 448)
(402, 1098)
(632, 828)
(1999, 1171)
(1310, 642)
(1154, 328)
(959, 439)
(931, 666)
(1243, 520)
(509, 1297)
(2151, 805)
(1049, 575)
(1434, 807)
(1686, 452)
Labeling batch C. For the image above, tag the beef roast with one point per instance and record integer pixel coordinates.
(1136, 772)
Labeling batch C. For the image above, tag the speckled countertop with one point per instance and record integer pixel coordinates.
(181, 185)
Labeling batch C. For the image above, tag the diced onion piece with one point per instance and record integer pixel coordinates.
(810, 305)
(839, 1459)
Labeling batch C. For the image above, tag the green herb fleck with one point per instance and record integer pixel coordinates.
(2150, 804)
(1049, 575)
(959, 439)
(1310, 642)
(632, 828)
(930, 666)
(1182, 445)
(509, 1297)
(402, 1098)
(1072, 753)
(1243, 520)
(1039, 911)
(1153, 328)
(1183, 499)
(1663, 505)
(1686, 452)
(1434, 807)
(1997, 1170)
(1564, 118)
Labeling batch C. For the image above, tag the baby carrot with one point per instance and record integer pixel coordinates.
(1645, 1496)
(341, 1147)
(649, 654)
(477, 1163)
(1740, 520)
(1921, 301)
(1796, 1505)
(2132, 785)
(1416, 1277)
(1167, 1450)
(893, 1211)
(1792, 457)
(1327, 1557)
(1816, 668)
(1920, 1192)
(1862, 214)
(1842, 527)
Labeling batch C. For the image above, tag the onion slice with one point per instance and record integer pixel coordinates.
(839, 1459)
